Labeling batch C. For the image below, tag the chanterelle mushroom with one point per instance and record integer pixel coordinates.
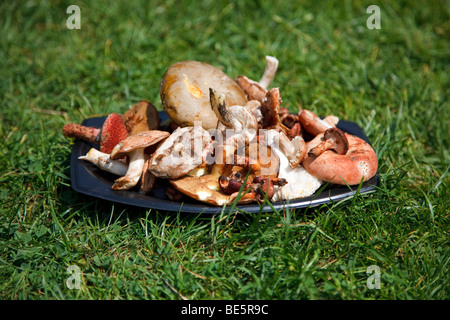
(184, 92)
(134, 146)
(185, 149)
(111, 133)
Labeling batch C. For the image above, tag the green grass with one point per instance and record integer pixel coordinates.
(393, 82)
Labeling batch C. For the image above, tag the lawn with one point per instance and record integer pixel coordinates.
(393, 82)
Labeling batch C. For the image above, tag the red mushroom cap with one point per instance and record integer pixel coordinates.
(113, 131)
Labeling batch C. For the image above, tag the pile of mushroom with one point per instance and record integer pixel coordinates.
(228, 140)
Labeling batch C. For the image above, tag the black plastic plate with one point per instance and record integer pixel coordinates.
(87, 179)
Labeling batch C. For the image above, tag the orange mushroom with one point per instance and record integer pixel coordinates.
(357, 161)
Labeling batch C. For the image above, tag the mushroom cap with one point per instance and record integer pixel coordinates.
(184, 92)
(138, 141)
(270, 110)
(185, 149)
(205, 188)
(143, 116)
(252, 89)
(360, 162)
(113, 131)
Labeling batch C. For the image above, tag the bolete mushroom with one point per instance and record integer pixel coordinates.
(142, 116)
(184, 150)
(112, 132)
(352, 164)
(184, 92)
(134, 146)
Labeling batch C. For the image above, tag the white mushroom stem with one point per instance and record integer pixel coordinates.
(104, 162)
(294, 150)
(300, 183)
(134, 172)
(269, 72)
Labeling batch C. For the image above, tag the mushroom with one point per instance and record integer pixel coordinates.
(236, 124)
(328, 162)
(300, 183)
(104, 162)
(257, 90)
(258, 189)
(184, 150)
(148, 179)
(333, 139)
(112, 132)
(270, 109)
(143, 116)
(239, 119)
(314, 124)
(294, 150)
(185, 96)
(134, 146)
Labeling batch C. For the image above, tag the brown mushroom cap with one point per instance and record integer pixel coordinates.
(359, 162)
(138, 141)
(333, 139)
(184, 92)
(143, 116)
(270, 109)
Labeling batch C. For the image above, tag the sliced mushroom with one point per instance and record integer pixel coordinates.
(184, 92)
(104, 162)
(112, 132)
(143, 116)
(184, 150)
(133, 147)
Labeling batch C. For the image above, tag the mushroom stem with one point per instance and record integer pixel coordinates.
(104, 162)
(321, 148)
(78, 131)
(269, 72)
(134, 172)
